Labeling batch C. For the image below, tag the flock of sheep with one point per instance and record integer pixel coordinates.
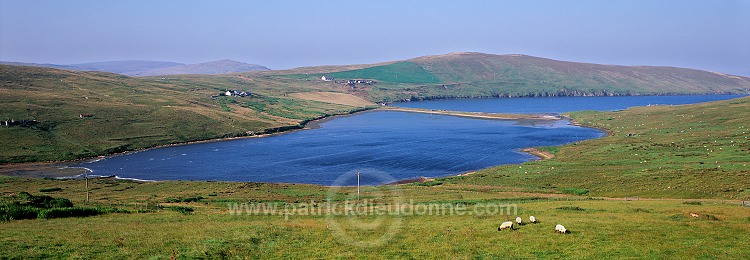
(509, 225)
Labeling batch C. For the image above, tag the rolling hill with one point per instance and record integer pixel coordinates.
(127, 67)
(77, 114)
(668, 182)
(140, 68)
(546, 73)
(465, 75)
(206, 68)
(45, 65)
(128, 113)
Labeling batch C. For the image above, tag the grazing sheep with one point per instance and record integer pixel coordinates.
(532, 219)
(694, 215)
(518, 220)
(506, 224)
(560, 229)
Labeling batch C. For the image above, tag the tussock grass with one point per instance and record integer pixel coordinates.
(571, 208)
(182, 209)
(575, 191)
(27, 206)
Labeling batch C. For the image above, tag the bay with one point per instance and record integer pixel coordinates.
(386, 146)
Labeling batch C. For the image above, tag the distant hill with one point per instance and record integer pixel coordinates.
(127, 67)
(206, 68)
(140, 68)
(553, 74)
(84, 113)
(461, 75)
(45, 65)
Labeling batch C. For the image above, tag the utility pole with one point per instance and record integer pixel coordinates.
(358, 173)
(86, 176)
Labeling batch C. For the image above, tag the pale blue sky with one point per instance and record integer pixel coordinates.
(711, 35)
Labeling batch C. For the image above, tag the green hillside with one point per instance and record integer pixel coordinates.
(467, 75)
(690, 151)
(559, 76)
(515, 75)
(132, 113)
(683, 168)
(399, 72)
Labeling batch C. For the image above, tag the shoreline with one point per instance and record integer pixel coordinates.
(315, 123)
(475, 115)
(543, 155)
(573, 122)
(57, 169)
(565, 96)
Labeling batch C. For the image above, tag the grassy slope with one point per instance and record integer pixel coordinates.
(614, 166)
(333, 98)
(545, 74)
(645, 228)
(400, 72)
(600, 228)
(526, 75)
(691, 151)
(461, 75)
(130, 113)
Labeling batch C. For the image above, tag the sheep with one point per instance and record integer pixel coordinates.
(560, 229)
(506, 224)
(518, 220)
(532, 219)
(694, 215)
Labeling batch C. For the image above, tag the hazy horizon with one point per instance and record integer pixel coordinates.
(288, 34)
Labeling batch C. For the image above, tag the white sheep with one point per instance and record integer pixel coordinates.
(518, 220)
(532, 219)
(560, 229)
(506, 224)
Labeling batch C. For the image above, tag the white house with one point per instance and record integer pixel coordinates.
(324, 78)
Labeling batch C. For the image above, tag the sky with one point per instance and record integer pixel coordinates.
(710, 35)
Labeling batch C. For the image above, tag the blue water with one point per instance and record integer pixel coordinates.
(385, 146)
(555, 105)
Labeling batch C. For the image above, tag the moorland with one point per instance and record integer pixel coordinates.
(667, 181)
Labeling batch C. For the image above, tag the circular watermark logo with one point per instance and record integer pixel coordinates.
(362, 215)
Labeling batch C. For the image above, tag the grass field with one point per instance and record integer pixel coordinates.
(400, 72)
(670, 162)
(692, 151)
(334, 98)
(598, 228)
